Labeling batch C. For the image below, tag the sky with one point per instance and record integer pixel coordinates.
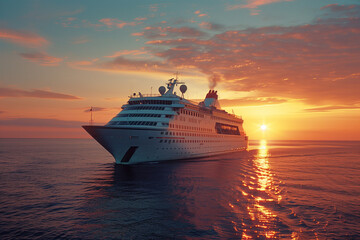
(292, 65)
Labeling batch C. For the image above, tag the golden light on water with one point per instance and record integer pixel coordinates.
(258, 212)
(264, 176)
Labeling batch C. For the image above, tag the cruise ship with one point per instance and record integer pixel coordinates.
(168, 127)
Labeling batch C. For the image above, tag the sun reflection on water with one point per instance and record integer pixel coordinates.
(262, 163)
(264, 219)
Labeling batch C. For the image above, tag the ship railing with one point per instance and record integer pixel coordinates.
(193, 102)
(236, 116)
(140, 95)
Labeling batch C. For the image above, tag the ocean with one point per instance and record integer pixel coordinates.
(71, 189)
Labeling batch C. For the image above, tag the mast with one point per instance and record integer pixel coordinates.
(91, 116)
(171, 85)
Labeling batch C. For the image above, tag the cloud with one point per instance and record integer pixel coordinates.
(332, 11)
(40, 122)
(68, 22)
(199, 14)
(127, 52)
(330, 108)
(114, 22)
(211, 26)
(125, 64)
(140, 18)
(349, 10)
(316, 63)
(22, 37)
(251, 101)
(121, 63)
(166, 32)
(35, 93)
(108, 23)
(96, 109)
(42, 58)
(255, 3)
(137, 34)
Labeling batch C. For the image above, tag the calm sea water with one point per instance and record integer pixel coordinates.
(71, 189)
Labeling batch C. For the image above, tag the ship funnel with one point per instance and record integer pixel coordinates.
(212, 94)
(211, 99)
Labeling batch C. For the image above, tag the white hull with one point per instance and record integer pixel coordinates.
(138, 145)
(169, 127)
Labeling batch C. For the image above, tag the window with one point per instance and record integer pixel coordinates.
(145, 108)
(138, 115)
(158, 102)
(133, 123)
(222, 128)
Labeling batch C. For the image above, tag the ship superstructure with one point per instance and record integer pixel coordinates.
(169, 127)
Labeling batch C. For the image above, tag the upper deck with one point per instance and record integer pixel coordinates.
(158, 110)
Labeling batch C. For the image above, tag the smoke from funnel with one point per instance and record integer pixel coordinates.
(213, 79)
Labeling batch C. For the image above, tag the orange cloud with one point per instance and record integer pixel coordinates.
(140, 18)
(165, 32)
(42, 58)
(24, 38)
(199, 14)
(251, 101)
(123, 64)
(113, 22)
(35, 93)
(330, 108)
(316, 63)
(126, 52)
(137, 34)
(255, 3)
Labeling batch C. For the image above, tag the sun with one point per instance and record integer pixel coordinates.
(263, 127)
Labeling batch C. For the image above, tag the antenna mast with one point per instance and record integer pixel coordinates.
(91, 116)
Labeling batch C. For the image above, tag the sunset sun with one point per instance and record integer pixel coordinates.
(263, 127)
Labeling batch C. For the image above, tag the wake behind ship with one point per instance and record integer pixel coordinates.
(169, 127)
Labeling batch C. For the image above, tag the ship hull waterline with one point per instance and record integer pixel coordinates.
(139, 145)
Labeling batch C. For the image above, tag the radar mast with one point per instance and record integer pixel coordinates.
(172, 82)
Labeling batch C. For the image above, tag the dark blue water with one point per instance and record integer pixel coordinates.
(71, 189)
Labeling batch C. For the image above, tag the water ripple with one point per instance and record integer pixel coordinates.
(71, 189)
